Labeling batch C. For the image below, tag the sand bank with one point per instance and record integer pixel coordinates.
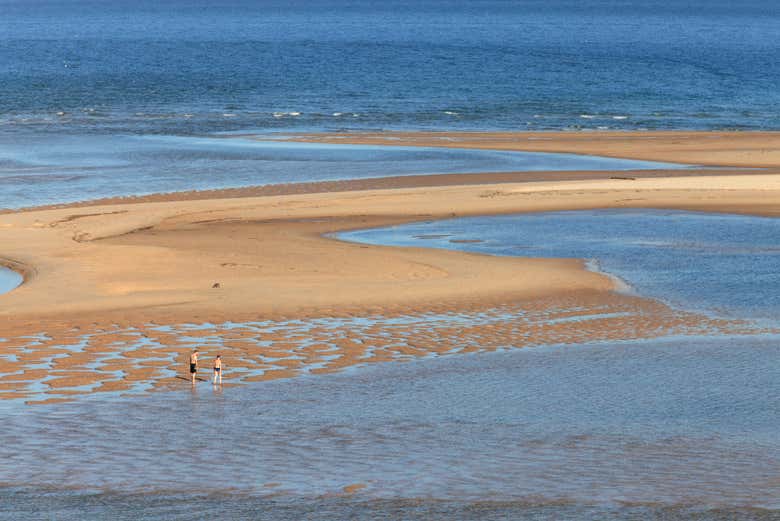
(115, 285)
(741, 149)
(269, 256)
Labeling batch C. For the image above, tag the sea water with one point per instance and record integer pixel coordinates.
(672, 428)
(59, 169)
(194, 67)
(717, 263)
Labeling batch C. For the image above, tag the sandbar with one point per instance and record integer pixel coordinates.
(106, 279)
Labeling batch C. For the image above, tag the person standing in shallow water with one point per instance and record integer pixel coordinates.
(193, 364)
(218, 369)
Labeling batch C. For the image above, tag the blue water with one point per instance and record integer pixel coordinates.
(8, 280)
(48, 169)
(727, 264)
(194, 67)
(661, 429)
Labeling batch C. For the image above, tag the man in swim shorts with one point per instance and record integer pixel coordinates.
(218, 369)
(193, 364)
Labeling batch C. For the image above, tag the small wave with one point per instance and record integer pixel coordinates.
(39, 179)
(619, 117)
(452, 113)
(286, 114)
(588, 116)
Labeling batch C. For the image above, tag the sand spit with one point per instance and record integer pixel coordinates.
(738, 149)
(120, 292)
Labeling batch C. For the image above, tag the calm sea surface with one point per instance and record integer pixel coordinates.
(577, 432)
(193, 67)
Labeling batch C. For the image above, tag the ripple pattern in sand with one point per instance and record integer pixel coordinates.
(61, 365)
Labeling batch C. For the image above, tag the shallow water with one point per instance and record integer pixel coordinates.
(565, 431)
(9, 280)
(57, 169)
(719, 263)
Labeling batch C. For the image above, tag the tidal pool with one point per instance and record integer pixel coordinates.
(9, 280)
(720, 263)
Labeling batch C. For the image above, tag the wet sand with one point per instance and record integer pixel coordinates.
(121, 279)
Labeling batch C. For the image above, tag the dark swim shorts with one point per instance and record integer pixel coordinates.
(193, 368)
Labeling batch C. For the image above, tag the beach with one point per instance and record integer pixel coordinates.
(429, 260)
(99, 275)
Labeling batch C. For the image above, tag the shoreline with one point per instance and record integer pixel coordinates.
(394, 182)
(123, 268)
(747, 149)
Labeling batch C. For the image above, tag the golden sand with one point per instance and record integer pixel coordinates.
(115, 285)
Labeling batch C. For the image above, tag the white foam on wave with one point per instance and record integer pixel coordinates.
(286, 114)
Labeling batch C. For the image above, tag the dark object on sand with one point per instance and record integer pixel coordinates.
(215, 285)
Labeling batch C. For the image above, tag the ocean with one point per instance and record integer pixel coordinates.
(194, 67)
